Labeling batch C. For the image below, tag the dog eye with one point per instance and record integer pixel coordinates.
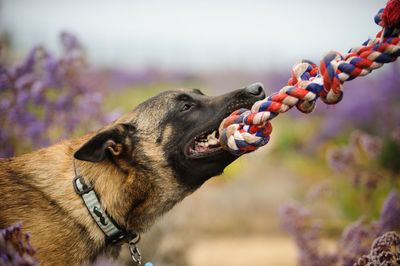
(186, 107)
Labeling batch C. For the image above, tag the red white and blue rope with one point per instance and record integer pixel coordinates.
(247, 130)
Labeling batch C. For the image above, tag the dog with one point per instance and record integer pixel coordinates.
(139, 167)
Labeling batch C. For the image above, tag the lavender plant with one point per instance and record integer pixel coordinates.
(390, 214)
(307, 235)
(371, 166)
(385, 250)
(356, 239)
(358, 159)
(15, 248)
(47, 97)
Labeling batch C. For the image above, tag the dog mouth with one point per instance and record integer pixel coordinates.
(204, 145)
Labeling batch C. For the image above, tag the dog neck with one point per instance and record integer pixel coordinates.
(113, 232)
(111, 185)
(133, 193)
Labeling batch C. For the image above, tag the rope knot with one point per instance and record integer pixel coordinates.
(332, 93)
(240, 138)
(304, 74)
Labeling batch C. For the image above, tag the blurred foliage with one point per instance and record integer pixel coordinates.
(390, 156)
(47, 97)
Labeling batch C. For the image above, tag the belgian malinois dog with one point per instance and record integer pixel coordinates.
(139, 167)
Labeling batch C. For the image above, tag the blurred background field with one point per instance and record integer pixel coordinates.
(289, 203)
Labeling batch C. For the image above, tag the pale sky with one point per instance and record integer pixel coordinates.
(195, 35)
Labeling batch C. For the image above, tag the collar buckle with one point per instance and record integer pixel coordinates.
(80, 187)
(122, 236)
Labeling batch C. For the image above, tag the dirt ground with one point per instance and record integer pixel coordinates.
(238, 251)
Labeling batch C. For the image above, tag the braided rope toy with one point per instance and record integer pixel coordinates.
(247, 130)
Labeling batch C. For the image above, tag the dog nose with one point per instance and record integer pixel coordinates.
(256, 89)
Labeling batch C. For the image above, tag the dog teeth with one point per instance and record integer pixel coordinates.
(205, 142)
(213, 141)
(212, 135)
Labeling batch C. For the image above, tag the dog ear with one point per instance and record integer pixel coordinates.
(95, 150)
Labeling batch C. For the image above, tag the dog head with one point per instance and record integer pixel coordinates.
(177, 129)
(164, 149)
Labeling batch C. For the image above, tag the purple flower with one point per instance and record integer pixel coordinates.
(113, 115)
(29, 63)
(306, 232)
(384, 251)
(356, 239)
(89, 101)
(4, 105)
(35, 128)
(71, 123)
(22, 98)
(44, 92)
(319, 191)
(52, 65)
(6, 152)
(340, 159)
(355, 242)
(367, 143)
(370, 145)
(64, 102)
(15, 247)
(24, 81)
(5, 82)
(37, 93)
(390, 214)
(69, 41)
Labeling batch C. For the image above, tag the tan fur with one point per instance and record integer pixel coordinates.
(45, 183)
(47, 176)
